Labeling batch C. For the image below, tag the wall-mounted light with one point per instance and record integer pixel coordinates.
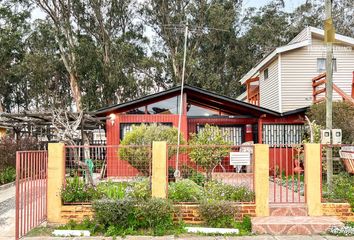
(112, 117)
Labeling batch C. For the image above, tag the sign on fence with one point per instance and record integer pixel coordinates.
(240, 158)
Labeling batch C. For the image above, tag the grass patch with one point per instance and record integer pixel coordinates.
(40, 232)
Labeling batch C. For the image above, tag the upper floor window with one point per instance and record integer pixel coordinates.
(321, 65)
(266, 74)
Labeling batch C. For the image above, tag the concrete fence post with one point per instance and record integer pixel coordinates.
(313, 178)
(56, 174)
(261, 179)
(159, 179)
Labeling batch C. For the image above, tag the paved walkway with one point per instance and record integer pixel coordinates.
(7, 213)
(261, 237)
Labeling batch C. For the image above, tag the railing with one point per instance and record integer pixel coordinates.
(31, 190)
(319, 81)
(219, 169)
(343, 166)
(286, 174)
(118, 163)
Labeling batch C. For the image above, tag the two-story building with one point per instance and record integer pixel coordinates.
(284, 79)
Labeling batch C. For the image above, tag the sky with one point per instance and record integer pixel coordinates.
(290, 5)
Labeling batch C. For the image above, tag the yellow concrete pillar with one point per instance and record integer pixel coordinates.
(261, 179)
(159, 170)
(56, 176)
(313, 177)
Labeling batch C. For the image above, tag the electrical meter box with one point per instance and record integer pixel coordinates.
(326, 136)
(336, 136)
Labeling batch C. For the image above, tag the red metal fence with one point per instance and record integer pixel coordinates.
(119, 163)
(225, 172)
(286, 174)
(31, 190)
(343, 167)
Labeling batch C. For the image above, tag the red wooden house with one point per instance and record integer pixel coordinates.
(243, 121)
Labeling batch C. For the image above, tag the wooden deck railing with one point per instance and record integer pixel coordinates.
(320, 81)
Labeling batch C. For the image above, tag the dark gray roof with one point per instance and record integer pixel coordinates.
(188, 88)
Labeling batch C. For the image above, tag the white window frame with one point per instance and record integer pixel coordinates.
(266, 76)
(322, 61)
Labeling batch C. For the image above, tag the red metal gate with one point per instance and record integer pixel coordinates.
(286, 175)
(31, 190)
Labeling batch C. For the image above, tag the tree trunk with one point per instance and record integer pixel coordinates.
(75, 91)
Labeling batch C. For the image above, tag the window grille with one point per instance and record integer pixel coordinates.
(232, 134)
(127, 127)
(277, 134)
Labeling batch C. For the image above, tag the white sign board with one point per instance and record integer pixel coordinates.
(240, 158)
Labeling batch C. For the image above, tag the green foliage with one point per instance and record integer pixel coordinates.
(7, 175)
(112, 190)
(192, 174)
(124, 216)
(139, 189)
(144, 135)
(86, 224)
(217, 214)
(343, 189)
(121, 212)
(316, 129)
(208, 157)
(226, 192)
(76, 190)
(156, 214)
(343, 118)
(185, 191)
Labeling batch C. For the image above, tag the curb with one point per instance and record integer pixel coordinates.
(7, 185)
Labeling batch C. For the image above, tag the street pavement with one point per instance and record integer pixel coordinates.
(7, 213)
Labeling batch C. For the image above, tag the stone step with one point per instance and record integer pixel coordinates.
(293, 225)
(288, 210)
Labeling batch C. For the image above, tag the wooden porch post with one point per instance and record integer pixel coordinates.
(260, 129)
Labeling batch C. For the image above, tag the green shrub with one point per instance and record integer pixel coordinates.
(221, 191)
(343, 189)
(112, 190)
(86, 224)
(7, 175)
(343, 117)
(192, 174)
(121, 212)
(139, 189)
(156, 214)
(76, 190)
(208, 157)
(217, 213)
(184, 191)
(140, 157)
(125, 216)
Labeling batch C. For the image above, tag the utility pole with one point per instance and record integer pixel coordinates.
(177, 173)
(329, 39)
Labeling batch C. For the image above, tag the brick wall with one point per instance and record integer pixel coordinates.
(75, 212)
(189, 213)
(342, 210)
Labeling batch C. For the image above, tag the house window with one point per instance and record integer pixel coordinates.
(321, 65)
(196, 111)
(127, 127)
(232, 134)
(277, 134)
(167, 106)
(266, 74)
